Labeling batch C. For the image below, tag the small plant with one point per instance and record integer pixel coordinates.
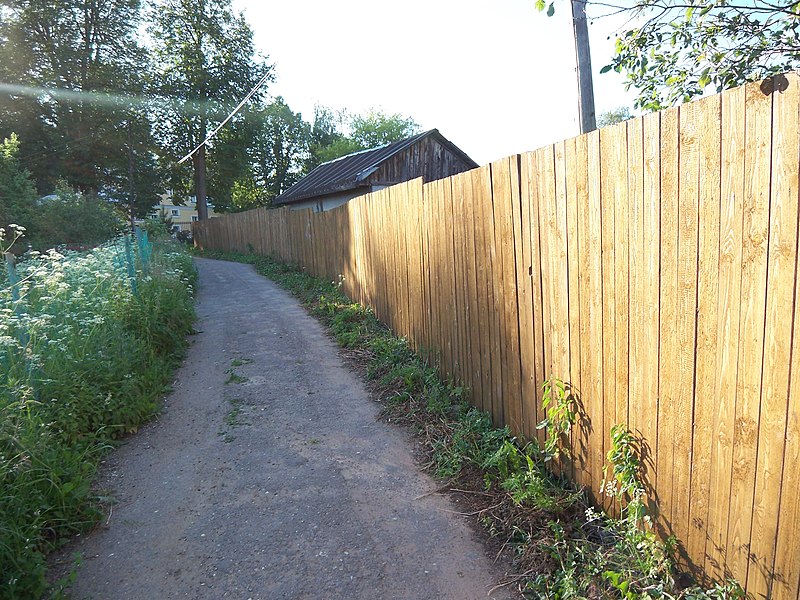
(625, 484)
(559, 404)
(234, 377)
(238, 362)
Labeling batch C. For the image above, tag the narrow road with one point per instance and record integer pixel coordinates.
(269, 476)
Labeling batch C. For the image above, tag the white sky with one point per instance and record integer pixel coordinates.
(494, 77)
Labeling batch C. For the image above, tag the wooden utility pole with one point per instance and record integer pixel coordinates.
(199, 159)
(584, 61)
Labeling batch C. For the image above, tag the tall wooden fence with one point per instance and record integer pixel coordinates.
(653, 264)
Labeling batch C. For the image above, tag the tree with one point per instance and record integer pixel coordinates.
(280, 147)
(72, 63)
(230, 162)
(326, 131)
(375, 128)
(617, 115)
(72, 218)
(676, 49)
(206, 63)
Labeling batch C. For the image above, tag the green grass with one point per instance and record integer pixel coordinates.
(562, 546)
(83, 362)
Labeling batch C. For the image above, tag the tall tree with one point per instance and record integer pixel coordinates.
(376, 128)
(326, 131)
(206, 63)
(338, 134)
(280, 148)
(70, 62)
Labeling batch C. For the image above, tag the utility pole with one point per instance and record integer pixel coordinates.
(584, 61)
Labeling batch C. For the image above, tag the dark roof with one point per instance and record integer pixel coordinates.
(350, 172)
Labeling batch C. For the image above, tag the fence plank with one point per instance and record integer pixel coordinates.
(686, 299)
(530, 170)
(754, 271)
(782, 260)
(486, 274)
(651, 236)
(575, 174)
(637, 275)
(786, 567)
(504, 192)
(668, 370)
(708, 176)
(730, 269)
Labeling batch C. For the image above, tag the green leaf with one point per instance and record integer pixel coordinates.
(606, 69)
(551, 10)
(539, 5)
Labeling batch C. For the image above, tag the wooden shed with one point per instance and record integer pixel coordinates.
(428, 155)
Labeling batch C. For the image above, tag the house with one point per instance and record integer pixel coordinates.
(428, 155)
(181, 216)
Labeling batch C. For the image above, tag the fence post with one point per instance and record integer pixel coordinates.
(13, 279)
(131, 267)
(144, 249)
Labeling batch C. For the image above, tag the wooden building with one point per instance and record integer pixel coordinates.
(428, 155)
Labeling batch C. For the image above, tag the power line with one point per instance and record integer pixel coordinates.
(211, 135)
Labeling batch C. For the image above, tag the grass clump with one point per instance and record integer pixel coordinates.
(83, 361)
(562, 546)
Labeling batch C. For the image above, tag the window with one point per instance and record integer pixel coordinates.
(194, 218)
(176, 228)
(176, 212)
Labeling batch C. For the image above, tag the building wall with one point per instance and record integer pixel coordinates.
(331, 201)
(427, 159)
(182, 215)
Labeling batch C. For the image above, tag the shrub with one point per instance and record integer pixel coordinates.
(83, 361)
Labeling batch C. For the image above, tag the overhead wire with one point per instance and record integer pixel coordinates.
(244, 101)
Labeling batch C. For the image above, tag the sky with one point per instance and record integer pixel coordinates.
(494, 77)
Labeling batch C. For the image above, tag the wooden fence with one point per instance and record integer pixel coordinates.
(653, 264)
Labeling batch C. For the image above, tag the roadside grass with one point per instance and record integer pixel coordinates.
(83, 362)
(562, 546)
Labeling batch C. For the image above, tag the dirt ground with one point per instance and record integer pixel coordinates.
(269, 476)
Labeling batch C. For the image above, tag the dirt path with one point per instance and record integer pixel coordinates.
(279, 483)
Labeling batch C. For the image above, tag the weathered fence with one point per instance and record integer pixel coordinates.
(652, 264)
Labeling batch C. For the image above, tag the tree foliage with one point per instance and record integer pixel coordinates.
(337, 134)
(17, 193)
(205, 63)
(616, 115)
(72, 218)
(672, 51)
(678, 48)
(86, 51)
(280, 147)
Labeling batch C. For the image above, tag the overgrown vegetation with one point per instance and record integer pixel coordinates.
(562, 546)
(83, 361)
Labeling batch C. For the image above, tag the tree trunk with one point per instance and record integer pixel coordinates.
(200, 182)
(199, 161)
(584, 61)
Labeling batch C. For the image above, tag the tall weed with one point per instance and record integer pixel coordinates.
(83, 361)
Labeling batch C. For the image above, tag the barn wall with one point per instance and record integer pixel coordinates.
(427, 159)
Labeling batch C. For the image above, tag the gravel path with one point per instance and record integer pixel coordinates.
(268, 476)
